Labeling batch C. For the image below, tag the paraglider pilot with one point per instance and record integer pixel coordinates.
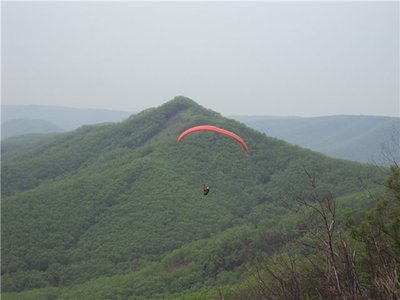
(206, 189)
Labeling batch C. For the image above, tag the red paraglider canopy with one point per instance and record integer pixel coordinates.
(215, 129)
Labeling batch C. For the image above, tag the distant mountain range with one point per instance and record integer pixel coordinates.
(62, 118)
(17, 127)
(358, 138)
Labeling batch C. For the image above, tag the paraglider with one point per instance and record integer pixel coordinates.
(206, 188)
(215, 129)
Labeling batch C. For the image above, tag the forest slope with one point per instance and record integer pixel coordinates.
(113, 199)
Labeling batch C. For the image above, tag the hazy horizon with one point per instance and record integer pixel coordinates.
(229, 115)
(238, 58)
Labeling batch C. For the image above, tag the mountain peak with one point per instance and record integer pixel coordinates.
(183, 99)
(180, 109)
(179, 103)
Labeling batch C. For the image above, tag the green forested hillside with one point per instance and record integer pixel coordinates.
(116, 211)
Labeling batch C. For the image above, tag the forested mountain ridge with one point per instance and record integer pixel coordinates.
(358, 138)
(116, 198)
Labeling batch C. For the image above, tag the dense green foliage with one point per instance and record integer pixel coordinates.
(359, 261)
(116, 210)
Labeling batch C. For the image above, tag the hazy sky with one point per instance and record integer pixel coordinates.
(254, 58)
